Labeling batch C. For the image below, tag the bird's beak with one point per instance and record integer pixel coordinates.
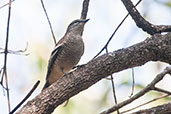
(85, 20)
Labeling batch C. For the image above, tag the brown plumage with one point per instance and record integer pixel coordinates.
(67, 52)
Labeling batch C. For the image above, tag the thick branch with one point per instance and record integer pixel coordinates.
(156, 48)
(142, 23)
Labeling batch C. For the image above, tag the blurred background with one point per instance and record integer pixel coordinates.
(28, 25)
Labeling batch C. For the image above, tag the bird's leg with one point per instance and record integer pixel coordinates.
(66, 102)
(62, 69)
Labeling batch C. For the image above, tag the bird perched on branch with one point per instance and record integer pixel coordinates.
(67, 52)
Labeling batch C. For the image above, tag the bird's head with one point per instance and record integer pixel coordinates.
(77, 25)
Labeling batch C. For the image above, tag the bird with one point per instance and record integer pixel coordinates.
(66, 53)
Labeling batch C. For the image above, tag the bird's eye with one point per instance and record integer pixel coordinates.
(76, 23)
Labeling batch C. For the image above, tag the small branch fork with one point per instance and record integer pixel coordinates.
(140, 22)
(148, 88)
(4, 51)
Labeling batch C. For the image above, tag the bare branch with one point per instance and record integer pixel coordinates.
(114, 91)
(50, 25)
(162, 90)
(148, 88)
(142, 23)
(133, 82)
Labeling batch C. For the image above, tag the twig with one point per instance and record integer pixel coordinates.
(148, 88)
(26, 97)
(8, 95)
(84, 9)
(6, 4)
(53, 35)
(18, 52)
(114, 32)
(114, 92)
(163, 96)
(113, 87)
(142, 23)
(5, 56)
(133, 83)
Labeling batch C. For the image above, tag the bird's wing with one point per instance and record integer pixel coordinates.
(52, 59)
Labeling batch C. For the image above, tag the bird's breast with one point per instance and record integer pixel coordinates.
(71, 53)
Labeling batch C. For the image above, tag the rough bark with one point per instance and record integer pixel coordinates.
(162, 109)
(156, 48)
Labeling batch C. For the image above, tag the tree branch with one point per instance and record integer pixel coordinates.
(155, 99)
(156, 48)
(148, 88)
(162, 109)
(142, 23)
